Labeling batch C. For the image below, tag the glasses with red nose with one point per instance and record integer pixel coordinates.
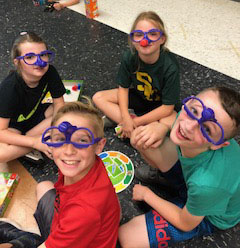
(209, 126)
(41, 59)
(65, 133)
(145, 38)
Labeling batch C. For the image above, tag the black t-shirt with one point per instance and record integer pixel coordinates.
(19, 102)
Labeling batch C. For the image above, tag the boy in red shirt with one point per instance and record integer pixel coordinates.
(81, 209)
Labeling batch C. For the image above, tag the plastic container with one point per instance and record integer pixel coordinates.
(91, 8)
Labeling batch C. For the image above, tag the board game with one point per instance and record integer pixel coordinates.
(8, 183)
(120, 169)
(74, 89)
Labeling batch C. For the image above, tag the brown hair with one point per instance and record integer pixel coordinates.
(85, 109)
(155, 19)
(230, 100)
(24, 37)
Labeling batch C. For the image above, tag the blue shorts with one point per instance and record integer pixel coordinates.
(160, 232)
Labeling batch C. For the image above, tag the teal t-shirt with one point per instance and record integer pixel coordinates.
(153, 82)
(213, 184)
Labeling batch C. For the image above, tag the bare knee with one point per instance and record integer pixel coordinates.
(97, 97)
(133, 234)
(5, 156)
(42, 188)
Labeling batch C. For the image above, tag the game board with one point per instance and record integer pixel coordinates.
(74, 89)
(120, 169)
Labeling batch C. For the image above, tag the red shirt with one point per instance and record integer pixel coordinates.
(87, 213)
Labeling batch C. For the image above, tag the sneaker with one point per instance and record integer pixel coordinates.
(132, 113)
(10, 232)
(149, 175)
(108, 122)
(35, 156)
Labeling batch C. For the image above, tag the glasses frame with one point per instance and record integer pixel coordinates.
(66, 128)
(39, 61)
(207, 115)
(145, 35)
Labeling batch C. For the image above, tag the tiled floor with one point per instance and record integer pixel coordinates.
(204, 35)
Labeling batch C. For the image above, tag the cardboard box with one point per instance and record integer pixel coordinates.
(8, 183)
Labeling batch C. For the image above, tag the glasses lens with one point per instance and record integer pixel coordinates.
(82, 137)
(30, 58)
(154, 35)
(54, 137)
(212, 131)
(137, 36)
(47, 56)
(194, 108)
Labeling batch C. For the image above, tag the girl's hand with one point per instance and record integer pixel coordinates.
(38, 145)
(139, 191)
(127, 127)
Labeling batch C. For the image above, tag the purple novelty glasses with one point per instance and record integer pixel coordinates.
(151, 35)
(65, 133)
(41, 59)
(205, 117)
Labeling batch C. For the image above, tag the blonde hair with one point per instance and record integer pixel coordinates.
(85, 109)
(154, 18)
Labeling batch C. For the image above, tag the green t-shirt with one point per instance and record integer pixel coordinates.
(153, 82)
(213, 184)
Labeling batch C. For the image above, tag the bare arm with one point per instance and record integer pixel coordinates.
(154, 115)
(13, 138)
(64, 4)
(123, 101)
(178, 217)
(57, 104)
(127, 122)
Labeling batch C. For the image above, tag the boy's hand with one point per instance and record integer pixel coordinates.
(149, 136)
(139, 191)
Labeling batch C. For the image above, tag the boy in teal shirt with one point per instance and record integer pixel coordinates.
(202, 159)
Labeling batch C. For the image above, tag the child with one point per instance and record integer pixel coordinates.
(202, 156)
(63, 4)
(24, 112)
(84, 202)
(148, 78)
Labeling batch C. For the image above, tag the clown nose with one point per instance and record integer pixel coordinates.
(143, 43)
